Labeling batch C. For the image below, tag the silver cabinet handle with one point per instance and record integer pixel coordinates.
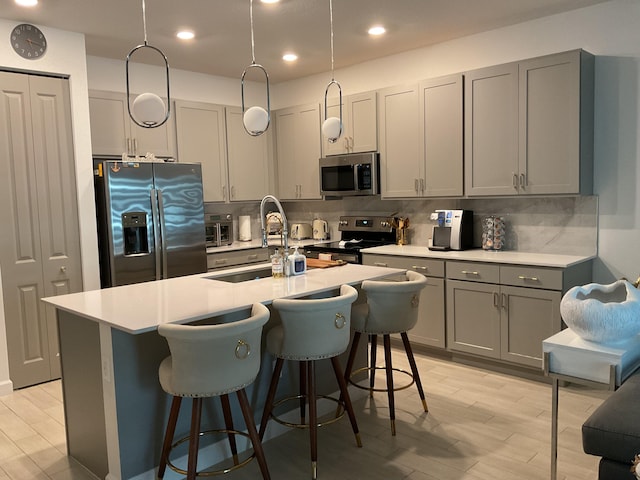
(422, 186)
(523, 182)
(525, 278)
(505, 303)
(496, 300)
(220, 261)
(252, 257)
(515, 180)
(224, 192)
(135, 146)
(380, 264)
(128, 146)
(416, 185)
(419, 267)
(468, 272)
(233, 192)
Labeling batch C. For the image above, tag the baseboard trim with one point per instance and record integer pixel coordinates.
(6, 387)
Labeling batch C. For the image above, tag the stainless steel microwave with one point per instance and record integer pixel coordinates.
(352, 174)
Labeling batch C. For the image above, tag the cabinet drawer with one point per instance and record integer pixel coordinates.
(536, 277)
(425, 266)
(238, 257)
(475, 272)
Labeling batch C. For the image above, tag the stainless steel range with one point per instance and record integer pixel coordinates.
(356, 233)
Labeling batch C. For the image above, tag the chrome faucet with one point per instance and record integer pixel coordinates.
(285, 232)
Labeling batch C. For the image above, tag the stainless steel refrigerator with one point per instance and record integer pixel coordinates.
(150, 221)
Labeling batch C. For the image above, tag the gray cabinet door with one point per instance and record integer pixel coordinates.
(202, 139)
(441, 123)
(550, 124)
(399, 141)
(40, 249)
(491, 131)
(528, 317)
(473, 318)
(430, 328)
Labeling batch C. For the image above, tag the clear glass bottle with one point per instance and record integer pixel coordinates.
(277, 265)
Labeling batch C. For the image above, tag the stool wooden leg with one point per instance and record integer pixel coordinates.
(303, 390)
(228, 421)
(389, 367)
(349, 367)
(194, 439)
(268, 405)
(313, 419)
(253, 434)
(168, 436)
(414, 369)
(344, 394)
(372, 372)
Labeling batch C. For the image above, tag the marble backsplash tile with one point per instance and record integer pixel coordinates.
(565, 225)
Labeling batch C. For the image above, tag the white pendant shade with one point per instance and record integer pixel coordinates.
(332, 128)
(149, 109)
(256, 120)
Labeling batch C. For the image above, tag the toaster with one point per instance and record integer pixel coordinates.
(300, 231)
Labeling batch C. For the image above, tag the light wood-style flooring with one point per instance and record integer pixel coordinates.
(481, 425)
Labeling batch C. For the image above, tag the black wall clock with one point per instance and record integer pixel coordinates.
(28, 41)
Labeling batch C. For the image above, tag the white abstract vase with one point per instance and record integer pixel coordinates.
(603, 313)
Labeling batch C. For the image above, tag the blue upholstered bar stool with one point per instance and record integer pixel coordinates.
(392, 307)
(210, 361)
(311, 330)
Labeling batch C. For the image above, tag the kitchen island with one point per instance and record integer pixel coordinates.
(115, 410)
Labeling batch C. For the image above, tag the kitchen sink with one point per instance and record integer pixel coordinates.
(238, 277)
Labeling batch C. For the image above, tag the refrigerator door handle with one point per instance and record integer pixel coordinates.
(156, 232)
(165, 267)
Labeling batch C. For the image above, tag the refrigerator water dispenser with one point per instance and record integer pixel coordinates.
(134, 227)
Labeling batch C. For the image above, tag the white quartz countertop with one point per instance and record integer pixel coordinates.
(142, 307)
(274, 241)
(479, 255)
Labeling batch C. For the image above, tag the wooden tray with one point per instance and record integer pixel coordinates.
(315, 263)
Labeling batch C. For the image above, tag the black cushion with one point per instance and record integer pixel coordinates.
(610, 470)
(613, 429)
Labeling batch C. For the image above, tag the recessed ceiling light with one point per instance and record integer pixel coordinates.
(27, 3)
(185, 35)
(290, 57)
(377, 30)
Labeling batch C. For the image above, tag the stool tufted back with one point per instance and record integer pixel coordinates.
(209, 360)
(312, 329)
(392, 307)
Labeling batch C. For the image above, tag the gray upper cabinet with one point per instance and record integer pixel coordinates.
(247, 158)
(491, 130)
(421, 141)
(201, 139)
(556, 124)
(399, 141)
(114, 133)
(529, 127)
(360, 124)
(441, 121)
(298, 151)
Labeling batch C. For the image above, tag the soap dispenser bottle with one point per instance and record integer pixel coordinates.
(298, 262)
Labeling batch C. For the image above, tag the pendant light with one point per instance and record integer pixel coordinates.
(332, 126)
(255, 119)
(148, 109)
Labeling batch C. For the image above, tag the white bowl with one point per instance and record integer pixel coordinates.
(603, 313)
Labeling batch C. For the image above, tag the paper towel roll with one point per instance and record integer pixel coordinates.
(244, 228)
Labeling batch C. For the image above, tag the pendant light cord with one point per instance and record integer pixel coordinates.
(144, 21)
(253, 46)
(331, 22)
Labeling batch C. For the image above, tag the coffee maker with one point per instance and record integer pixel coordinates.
(454, 230)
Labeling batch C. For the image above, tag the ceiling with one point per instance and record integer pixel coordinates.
(223, 39)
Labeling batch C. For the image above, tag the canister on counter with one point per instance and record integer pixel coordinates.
(493, 233)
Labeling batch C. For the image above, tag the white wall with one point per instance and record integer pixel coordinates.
(65, 55)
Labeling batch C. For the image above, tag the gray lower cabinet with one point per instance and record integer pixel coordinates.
(233, 258)
(504, 312)
(430, 329)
